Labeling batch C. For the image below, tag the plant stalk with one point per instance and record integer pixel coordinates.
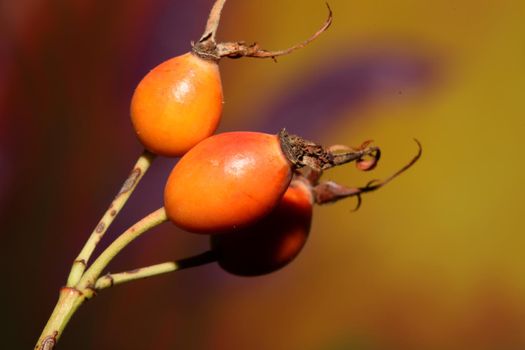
(69, 301)
(72, 297)
(213, 21)
(113, 279)
(91, 275)
(81, 261)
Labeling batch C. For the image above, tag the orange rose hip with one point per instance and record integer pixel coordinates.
(226, 182)
(182, 94)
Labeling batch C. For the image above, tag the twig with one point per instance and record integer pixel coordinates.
(80, 263)
(113, 279)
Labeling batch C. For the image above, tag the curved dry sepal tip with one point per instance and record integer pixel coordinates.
(241, 49)
(363, 163)
(358, 205)
(368, 161)
(329, 192)
(367, 164)
(404, 168)
(375, 184)
(366, 157)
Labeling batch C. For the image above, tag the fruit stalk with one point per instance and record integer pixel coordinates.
(213, 21)
(79, 265)
(113, 279)
(69, 301)
(90, 276)
(207, 48)
(72, 297)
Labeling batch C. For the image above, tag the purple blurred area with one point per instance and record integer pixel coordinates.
(347, 83)
(67, 73)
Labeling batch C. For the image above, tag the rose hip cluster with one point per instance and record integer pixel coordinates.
(252, 193)
(244, 189)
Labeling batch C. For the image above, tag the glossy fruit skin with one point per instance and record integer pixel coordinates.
(177, 105)
(227, 182)
(271, 243)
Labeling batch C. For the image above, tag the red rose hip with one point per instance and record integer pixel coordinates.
(272, 242)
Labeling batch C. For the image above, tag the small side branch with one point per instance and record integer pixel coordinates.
(113, 279)
(147, 223)
(72, 298)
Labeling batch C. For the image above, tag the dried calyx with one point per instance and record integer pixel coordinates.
(330, 191)
(301, 153)
(208, 48)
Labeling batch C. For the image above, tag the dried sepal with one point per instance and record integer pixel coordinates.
(208, 48)
(329, 191)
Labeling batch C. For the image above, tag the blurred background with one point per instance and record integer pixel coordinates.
(432, 261)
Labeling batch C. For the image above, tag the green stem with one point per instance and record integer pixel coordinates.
(80, 263)
(69, 301)
(148, 222)
(113, 279)
(71, 298)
